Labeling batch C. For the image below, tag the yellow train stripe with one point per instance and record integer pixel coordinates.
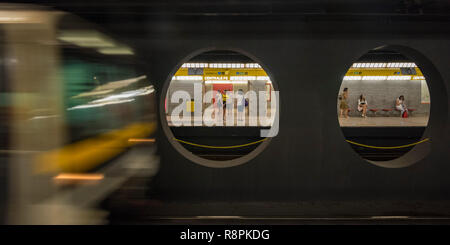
(72, 176)
(141, 140)
(87, 154)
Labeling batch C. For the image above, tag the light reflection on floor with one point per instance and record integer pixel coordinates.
(419, 121)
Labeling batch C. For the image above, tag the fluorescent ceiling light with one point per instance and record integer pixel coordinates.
(252, 65)
(399, 78)
(194, 65)
(374, 78)
(381, 78)
(352, 78)
(198, 78)
(262, 78)
(225, 81)
(242, 77)
(221, 65)
(384, 65)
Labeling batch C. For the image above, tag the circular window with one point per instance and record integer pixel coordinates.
(220, 109)
(383, 107)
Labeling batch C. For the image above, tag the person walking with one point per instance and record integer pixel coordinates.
(343, 106)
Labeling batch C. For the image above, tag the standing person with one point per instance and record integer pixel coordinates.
(224, 102)
(400, 105)
(218, 104)
(362, 105)
(343, 106)
(240, 104)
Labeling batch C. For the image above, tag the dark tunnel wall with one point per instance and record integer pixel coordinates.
(309, 159)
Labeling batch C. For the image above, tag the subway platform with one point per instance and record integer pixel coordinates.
(419, 121)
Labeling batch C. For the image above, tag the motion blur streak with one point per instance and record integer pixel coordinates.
(141, 140)
(88, 154)
(71, 97)
(69, 176)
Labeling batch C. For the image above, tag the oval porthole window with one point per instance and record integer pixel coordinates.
(383, 106)
(220, 109)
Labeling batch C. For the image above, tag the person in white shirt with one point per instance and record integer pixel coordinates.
(362, 105)
(218, 104)
(400, 104)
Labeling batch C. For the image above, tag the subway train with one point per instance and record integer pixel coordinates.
(73, 100)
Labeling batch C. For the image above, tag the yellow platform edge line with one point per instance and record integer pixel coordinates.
(220, 147)
(388, 147)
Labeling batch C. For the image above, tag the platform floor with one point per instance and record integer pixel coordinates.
(358, 212)
(247, 120)
(384, 122)
(235, 123)
(419, 121)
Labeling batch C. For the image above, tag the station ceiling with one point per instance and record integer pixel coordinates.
(221, 56)
(142, 18)
(111, 13)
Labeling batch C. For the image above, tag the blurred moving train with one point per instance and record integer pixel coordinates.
(71, 99)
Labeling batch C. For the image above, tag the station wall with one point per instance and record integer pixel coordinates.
(383, 93)
(309, 158)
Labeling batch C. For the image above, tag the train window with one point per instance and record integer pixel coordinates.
(383, 106)
(220, 108)
(103, 87)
